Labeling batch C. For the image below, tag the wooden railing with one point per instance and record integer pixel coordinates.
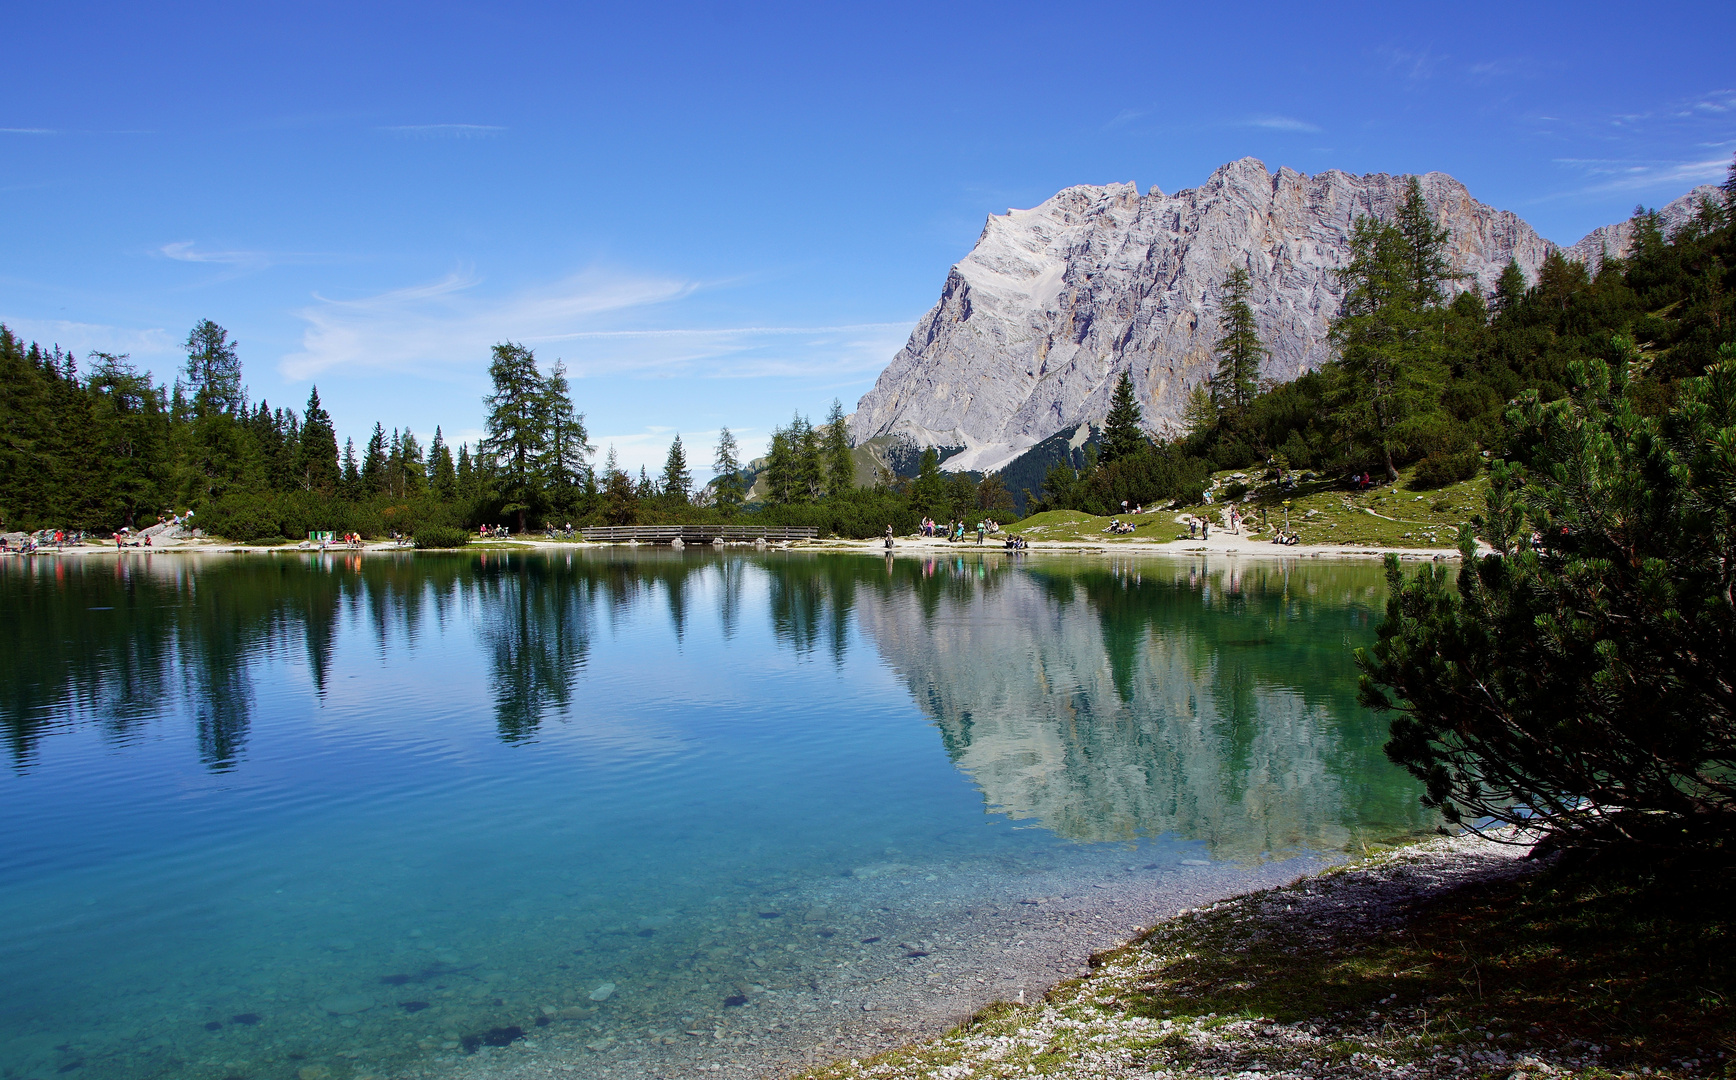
(696, 534)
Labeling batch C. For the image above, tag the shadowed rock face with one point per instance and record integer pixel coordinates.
(1035, 326)
(1212, 704)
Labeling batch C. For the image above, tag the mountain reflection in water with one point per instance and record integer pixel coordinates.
(1104, 700)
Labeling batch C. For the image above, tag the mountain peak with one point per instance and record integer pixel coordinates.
(1037, 323)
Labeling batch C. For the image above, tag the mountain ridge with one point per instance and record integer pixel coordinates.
(1036, 324)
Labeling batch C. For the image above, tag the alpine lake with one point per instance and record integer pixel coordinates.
(633, 811)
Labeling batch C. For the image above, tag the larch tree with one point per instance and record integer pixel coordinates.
(840, 466)
(726, 464)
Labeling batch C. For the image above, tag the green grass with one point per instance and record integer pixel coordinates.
(1329, 512)
(1075, 527)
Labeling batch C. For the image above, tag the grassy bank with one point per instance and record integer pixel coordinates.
(1432, 961)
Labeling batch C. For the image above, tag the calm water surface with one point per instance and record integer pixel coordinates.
(284, 815)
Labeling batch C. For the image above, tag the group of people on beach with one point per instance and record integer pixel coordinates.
(954, 530)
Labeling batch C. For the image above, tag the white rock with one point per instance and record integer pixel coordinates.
(1035, 326)
(603, 992)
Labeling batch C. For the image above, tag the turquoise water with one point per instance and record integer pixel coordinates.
(325, 816)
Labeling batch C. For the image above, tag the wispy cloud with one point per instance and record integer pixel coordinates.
(1282, 123)
(1408, 64)
(239, 262)
(742, 352)
(81, 337)
(28, 131)
(1125, 116)
(447, 325)
(444, 131)
(1612, 176)
(444, 330)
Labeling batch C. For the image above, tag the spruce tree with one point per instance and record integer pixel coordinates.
(374, 463)
(442, 476)
(350, 485)
(567, 454)
(727, 467)
(840, 466)
(465, 473)
(1238, 347)
(780, 468)
(1121, 434)
(412, 471)
(1509, 289)
(517, 425)
(677, 481)
(620, 501)
(317, 460)
(928, 490)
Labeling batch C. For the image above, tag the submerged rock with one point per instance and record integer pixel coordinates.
(346, 1004)
(603, 992)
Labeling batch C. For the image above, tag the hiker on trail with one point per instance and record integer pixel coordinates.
(982, 531)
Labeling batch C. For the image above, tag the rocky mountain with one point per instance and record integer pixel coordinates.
(1105, 721)
(1035, 326)
(1614, 239)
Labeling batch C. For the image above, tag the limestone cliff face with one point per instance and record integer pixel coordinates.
(1614, 240)
(1035, 326)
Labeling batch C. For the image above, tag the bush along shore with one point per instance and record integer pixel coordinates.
(1454, 957)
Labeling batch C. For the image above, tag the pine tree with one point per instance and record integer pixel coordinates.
(727, 465)
(779, 470)
(1238, 347)
(620, 501)
(840, 467)
(350, 485)
(412, 474)
(1509, 289)
(1121, 434)
(677, 481)
(566, 459)
(133, 418)
(442, 476)
(647, 488)
(465, 474)
(317, 461)
(517, 425)
(928, 490)
(374, 463)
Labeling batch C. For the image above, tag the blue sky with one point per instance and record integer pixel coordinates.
(716, 214)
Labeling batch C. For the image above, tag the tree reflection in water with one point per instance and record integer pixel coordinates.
(1104, 699)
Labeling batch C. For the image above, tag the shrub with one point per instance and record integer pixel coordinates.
(1439, 470)
(1578, 684)
(441, 536)
(1235, 491)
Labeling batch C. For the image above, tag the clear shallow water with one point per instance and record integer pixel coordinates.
(267, 814)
